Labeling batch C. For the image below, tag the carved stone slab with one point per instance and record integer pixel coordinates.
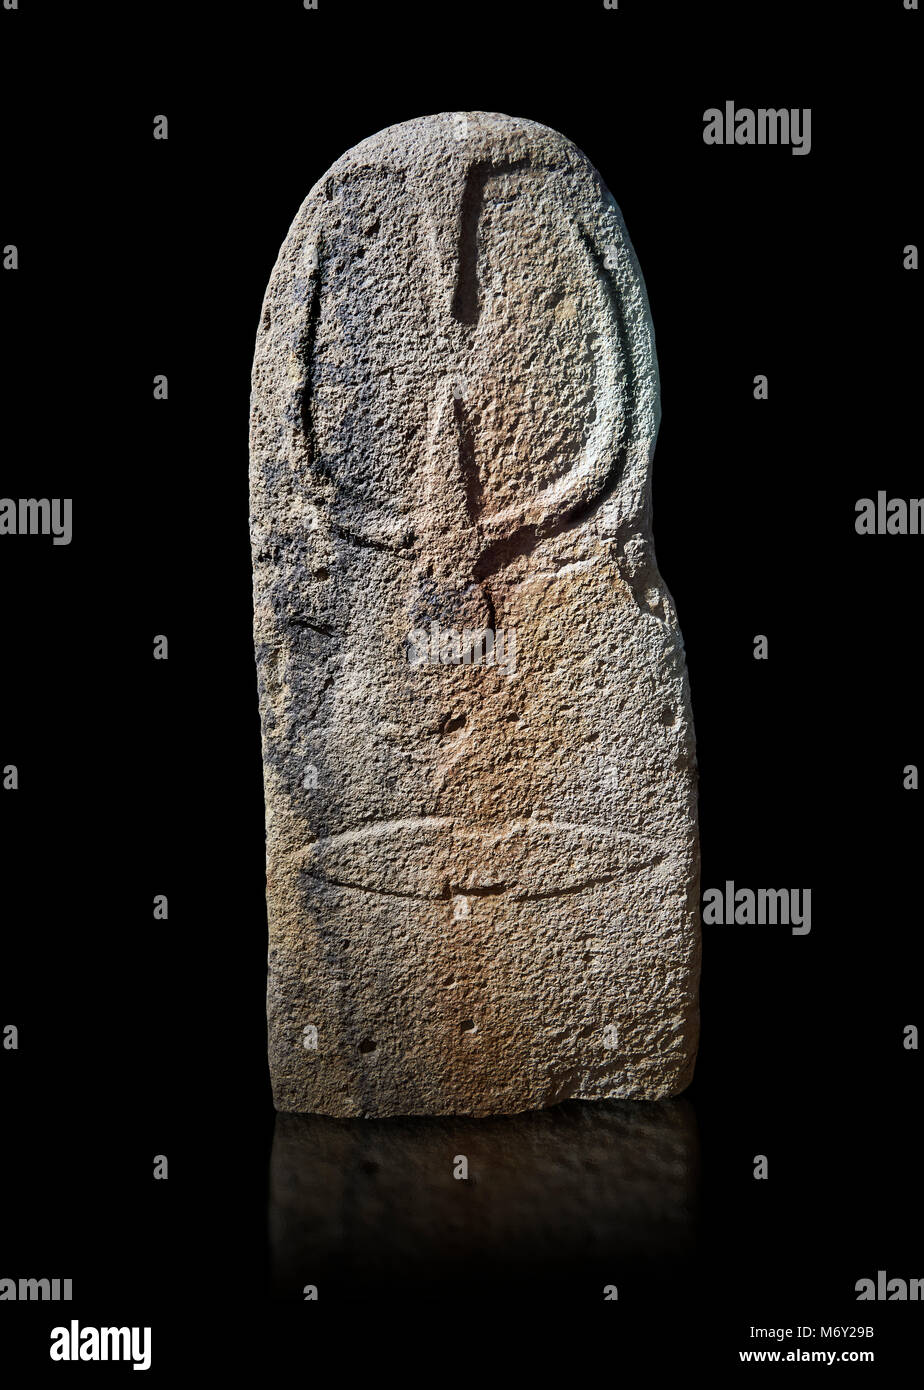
(482, 871)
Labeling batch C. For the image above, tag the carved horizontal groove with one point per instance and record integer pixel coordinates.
(402, 550)
(493, 890)
(365, 888)
(387, 827)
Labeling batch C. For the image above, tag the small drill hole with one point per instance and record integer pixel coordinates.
(467, 1025)
(367, 1045)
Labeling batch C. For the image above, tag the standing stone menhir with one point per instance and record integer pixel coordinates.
(482, 870)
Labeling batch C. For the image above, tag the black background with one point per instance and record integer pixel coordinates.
(139, 777)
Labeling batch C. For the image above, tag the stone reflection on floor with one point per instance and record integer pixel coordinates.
(586, 1184)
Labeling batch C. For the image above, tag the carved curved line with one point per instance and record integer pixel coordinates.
(383, 827)
(498, 890)
(568, 501)
(576, 504)
(377, 829)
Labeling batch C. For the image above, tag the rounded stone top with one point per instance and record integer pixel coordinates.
(428, 140)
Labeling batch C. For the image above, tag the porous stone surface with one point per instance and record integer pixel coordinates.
(482, 867)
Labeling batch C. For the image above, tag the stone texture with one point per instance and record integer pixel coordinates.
(482, 879)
